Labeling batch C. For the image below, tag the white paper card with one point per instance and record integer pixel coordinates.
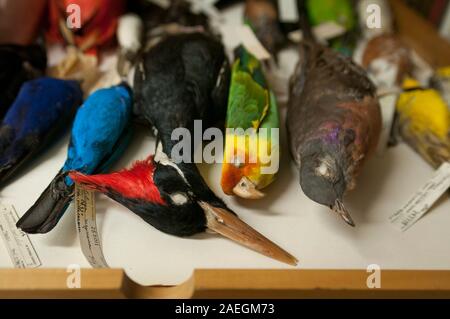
(323, 31)
(20, 249)
(328, 30)
(85, 218)
(423, 200)
(288, 10)
(251, 42)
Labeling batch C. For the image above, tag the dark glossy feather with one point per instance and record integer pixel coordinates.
(38, 116)
(17, 65)
(184, 78)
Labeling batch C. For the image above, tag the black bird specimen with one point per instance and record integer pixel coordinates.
(18, 64)
(333, 121)
(183, 76)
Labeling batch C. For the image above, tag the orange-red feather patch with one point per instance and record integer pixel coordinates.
(136, 182)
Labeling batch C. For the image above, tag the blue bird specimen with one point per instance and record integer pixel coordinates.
(42, 110)
(100, 133)
(18, 64)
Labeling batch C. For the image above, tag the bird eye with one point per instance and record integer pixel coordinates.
(179, 198)
(326, 167)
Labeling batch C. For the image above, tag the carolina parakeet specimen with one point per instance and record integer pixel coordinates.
(100, 133)
(17, 65)
(251, 105)
(333, 122)
(339, 11)
(262, 17)
(423, 121)
(183, 76)
(43, 109)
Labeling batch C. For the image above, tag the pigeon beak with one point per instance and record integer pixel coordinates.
(247, 189)
(227, 224)
(340, 209)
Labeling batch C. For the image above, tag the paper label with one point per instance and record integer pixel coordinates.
(85, 218)
(20, 248)
(323, 32)
(423, 200)
(251, 42)
(288, 10)
(328, 30)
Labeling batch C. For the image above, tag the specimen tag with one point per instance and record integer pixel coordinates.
(20, 248)
(288, 10)
(251, 42)
(85, 218)
(328, 30)
(323, 31)
(423, 200)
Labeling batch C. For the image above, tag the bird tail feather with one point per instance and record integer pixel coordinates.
(49, 208)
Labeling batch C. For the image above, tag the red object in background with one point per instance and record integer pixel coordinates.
(20, 20)
(98, 22)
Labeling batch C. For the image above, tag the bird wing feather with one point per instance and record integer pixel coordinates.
(98, 126)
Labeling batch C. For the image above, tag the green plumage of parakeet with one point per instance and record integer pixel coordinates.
(251, 142)
(339, 11)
